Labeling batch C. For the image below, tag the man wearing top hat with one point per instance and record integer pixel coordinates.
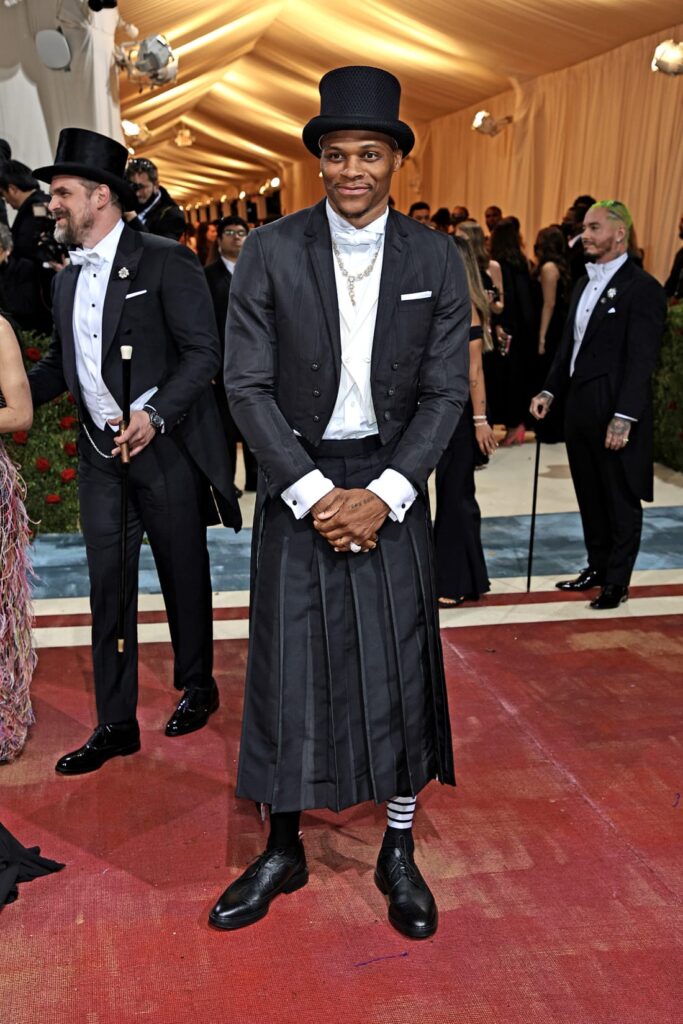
(129, 288)
(346, 372)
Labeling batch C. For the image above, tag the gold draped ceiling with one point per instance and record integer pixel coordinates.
(249, 71)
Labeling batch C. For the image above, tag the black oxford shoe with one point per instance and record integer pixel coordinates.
(107, 741)
(586, 580)
(412, 910)
(613, 594)
(193, 710)
(248, 898)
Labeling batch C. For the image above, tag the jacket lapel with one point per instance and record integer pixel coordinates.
(389, 288)
(123, 271)
(320, 248)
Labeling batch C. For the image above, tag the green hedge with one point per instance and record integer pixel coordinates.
(46, 455)
(668, 393)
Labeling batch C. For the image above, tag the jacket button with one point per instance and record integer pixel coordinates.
(316, 419)
(315, 366)
(387, 415)
(316, 393)
(394, 366)
(391, 391)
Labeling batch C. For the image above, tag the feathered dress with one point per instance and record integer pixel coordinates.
(17, 657)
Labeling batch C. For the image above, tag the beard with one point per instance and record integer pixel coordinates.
(72, 231)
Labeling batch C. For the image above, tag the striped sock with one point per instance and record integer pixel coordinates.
(400, 812)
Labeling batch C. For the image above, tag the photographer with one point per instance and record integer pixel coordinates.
(155, 210)
(19, 286)
(21, 190)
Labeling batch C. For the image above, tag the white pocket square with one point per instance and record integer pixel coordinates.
(612, 310)
(134, 295)
(416, 295)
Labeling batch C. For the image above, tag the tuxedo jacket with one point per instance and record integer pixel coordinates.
(158, 302)
(615, 363)
(283, 346)
(219, 279)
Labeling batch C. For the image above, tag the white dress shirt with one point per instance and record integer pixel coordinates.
(599, 276)
(91, 290)
(354, 414)
(229, 264)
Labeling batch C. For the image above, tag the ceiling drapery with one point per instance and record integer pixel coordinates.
(249, 69)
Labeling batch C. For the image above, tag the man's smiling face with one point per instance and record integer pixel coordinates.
(357, 167)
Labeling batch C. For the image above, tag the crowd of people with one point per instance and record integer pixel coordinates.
(268, 337)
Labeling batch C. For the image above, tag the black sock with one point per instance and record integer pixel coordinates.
(284, 830)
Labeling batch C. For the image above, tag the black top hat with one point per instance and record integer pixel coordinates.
(359, 98)
(85, 154)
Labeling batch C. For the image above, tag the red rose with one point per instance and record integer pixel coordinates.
(20, 436)
(67, 422)
(52, 499)
(42, 465)
(70, 448)
(71, 399)
(67, 475)
(34, 354)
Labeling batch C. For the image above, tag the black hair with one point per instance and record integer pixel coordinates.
(418, 206)
(226, 222)
(140, 165)
(12, 172)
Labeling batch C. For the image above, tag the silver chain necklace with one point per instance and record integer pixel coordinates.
(352, 278)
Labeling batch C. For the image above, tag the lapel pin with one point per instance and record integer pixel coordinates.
(124, 272)
(611, 292)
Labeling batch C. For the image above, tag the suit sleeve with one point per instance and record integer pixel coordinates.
(646, 322)
(250, 372)
(46, 380)
(189, 316)
(443, 379)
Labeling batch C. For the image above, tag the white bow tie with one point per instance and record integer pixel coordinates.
(598, 271)
(79, 257)
(357, 237)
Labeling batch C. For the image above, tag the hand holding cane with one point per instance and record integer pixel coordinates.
(126, 357)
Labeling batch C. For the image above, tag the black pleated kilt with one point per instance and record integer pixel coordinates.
(345, 696)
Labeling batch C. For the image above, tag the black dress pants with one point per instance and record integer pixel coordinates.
(167, 496)
(611, 515)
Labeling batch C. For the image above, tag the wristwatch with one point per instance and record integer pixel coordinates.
(155, 419)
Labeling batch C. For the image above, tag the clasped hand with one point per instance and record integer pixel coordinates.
(344, 517)
(138, 434)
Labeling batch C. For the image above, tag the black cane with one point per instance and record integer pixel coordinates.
(126, 356)
(533, 516)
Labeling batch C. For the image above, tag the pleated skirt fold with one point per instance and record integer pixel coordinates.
(345, 698)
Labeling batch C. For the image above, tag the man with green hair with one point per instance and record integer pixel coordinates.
(603, 368)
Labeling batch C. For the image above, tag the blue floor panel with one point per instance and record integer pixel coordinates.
(60, 559)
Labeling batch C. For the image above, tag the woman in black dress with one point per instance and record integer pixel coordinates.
(460, 567)
(551, 280)
(513, 358)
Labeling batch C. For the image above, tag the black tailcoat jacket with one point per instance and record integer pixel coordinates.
(170, 324)
(615, 363)
(345, 695)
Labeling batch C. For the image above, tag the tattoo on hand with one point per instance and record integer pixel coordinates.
(619, 427)
(359, 504)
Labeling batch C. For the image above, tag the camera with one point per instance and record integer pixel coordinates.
(47, 248)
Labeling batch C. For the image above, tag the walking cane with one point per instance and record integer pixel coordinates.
(533, 516)
(126, 356)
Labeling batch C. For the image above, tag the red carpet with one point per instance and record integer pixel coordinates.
(556, 863)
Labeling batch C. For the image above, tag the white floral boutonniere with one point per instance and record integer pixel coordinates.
(124, 272)
(611, 293)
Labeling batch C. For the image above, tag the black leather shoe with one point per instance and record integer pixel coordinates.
(612, 595)
(412, 910)
(248, 898)
(586, 580)
(193, 710)
(107, 741)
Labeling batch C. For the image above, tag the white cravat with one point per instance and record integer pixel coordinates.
(599, 275)
(91, 290)
(354, 414)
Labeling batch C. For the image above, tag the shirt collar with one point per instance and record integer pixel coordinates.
(229, 264)
(347, 233)
(107, 246)
(603, 271)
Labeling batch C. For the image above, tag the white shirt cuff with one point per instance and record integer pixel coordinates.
(302, 495)
(623, 416)
(395, 491)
